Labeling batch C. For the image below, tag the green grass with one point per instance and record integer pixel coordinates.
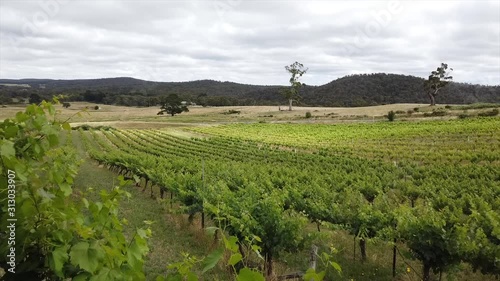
(475, 106)
(172, 234)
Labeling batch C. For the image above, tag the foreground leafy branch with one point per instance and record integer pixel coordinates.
(56, 232)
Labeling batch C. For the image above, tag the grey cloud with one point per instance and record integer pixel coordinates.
(248, 41)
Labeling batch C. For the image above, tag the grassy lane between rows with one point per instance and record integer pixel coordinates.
(172, 234)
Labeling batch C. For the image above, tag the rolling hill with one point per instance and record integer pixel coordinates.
(353, 90)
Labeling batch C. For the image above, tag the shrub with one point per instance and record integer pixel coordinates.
(463, 115)
(66, 104)
(104, 128)
(84, 127)
(436, 112)
(478, 106)
(493, 112)
(231, 111)
(308, 114)
(96, 107)
(400, 112)
(439, 112)
(391, 115)
(409, 112)
(416, 109)
(447, 106)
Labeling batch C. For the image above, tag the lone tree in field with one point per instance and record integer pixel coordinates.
(438, 79)
(296, 70)
(172, 105)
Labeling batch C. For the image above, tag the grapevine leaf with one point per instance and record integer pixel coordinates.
(257, 238)
(83, 256)
(247, 274)
(7, 149)
(211, 230)
(57, 259)
(174, 277)
(53, 139)
(134, 255)
(257, 250)
(81, 277)
(231, 243)
(46, 195)
(21, 117)
(104, 274)
(141, 233)
(192, 277)
(311, 274)
(65, 188)
(234, 259)
(336, 266)
(212, 259)
(51, 109)
(66, 126)
(85, 202)
(11, 132)
(137, 179)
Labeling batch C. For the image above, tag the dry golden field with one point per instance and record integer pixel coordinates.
(146, 117)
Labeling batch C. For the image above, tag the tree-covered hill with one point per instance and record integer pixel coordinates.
(381, 88)
(353, 90)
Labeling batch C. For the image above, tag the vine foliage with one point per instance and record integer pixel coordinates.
(58, 232)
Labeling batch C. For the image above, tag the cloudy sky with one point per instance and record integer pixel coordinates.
(248, 41)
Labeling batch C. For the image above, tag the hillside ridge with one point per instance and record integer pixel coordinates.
(351, 90)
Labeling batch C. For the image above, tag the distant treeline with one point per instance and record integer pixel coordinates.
(353, 90)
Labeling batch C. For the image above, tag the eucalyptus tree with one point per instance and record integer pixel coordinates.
(438, 79)
(296, 71)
